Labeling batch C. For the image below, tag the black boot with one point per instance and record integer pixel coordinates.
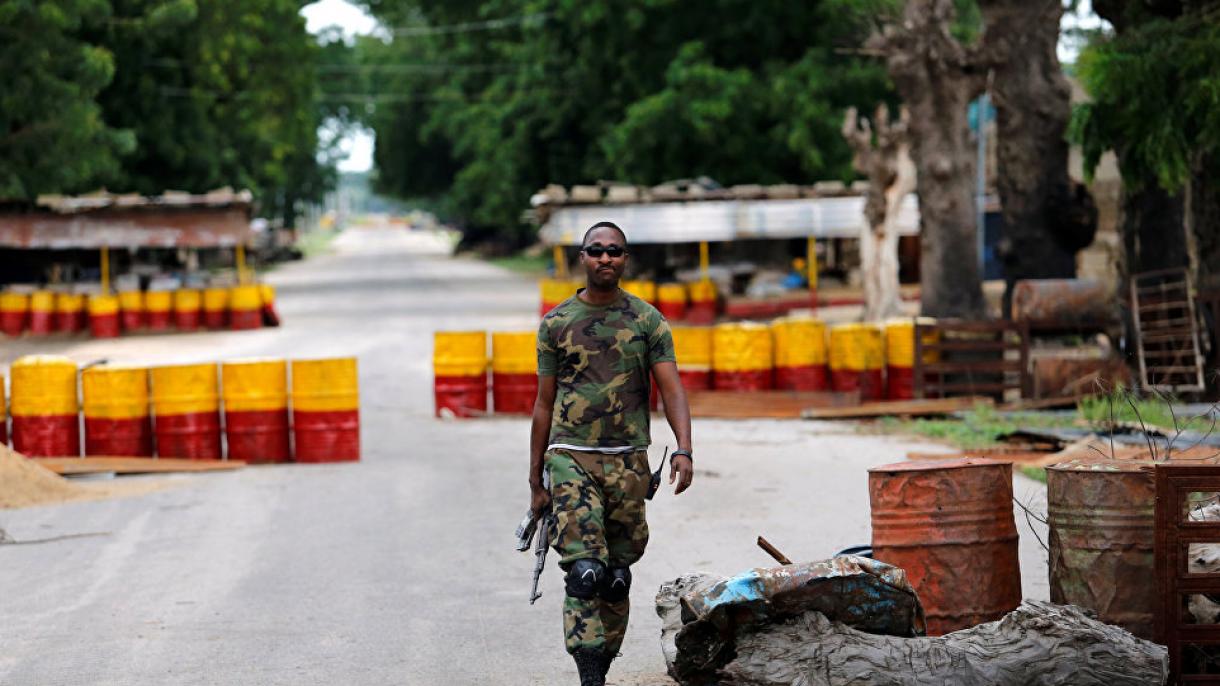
(589, 665)
(607, 658)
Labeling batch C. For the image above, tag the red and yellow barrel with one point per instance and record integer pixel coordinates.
(70, 314)
(267, 295)
(14, 312)
(186, 406)
(857, 360)
(671, 301)
(702, 308)
(245, 307)
(800, 354)
(188, 308)
(42, 313)
(158, 309)
(255, 396)
(215, 307)
(900, 356)
(44, 406)
(693, 348)
(741, 357)
(131, 310)
(115, 400)
(644, 290)
(3, 415)
(514, 372)
(326, 410)
(459, 366)
(103, 316)
(555, 291)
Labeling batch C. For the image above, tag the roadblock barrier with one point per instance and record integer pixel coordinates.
(132, 314)
(741, 357)
(693, 350)
(14, 312)
(255, 394)
(44, 406)
(514, 372)
(42, 313)
(70, 315)
(158, 309)
(116, 409)
(245, 307)
(857, 360)
(188, 309)
(800, 354)
(326, 410)
(186, 407)
(555, 291)
(671, 301)
(459, 365)
(702, 307)
(103, 316)
(215, 308)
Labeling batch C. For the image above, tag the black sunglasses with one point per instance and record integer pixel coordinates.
(598, 251)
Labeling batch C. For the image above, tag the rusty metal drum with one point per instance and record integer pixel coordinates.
(949, 524)
(1102, 518)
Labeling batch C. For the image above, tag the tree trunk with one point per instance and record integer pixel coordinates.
(1204, 220)
(891, 177)
(1047, 219)
(1153, 233)
(937, 78)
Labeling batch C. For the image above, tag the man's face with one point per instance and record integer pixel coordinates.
(604, 256)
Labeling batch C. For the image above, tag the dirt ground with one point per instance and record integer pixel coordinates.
(399, 569)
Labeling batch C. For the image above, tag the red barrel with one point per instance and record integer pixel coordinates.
(186, 405)
(103, 316)
(44, 407)
(949, 525)
(702, 308)
(900, 356)
(216, 308)
(693, 349)
(800, 354)
(42, 313)
(158, 309)
(188, 307)
(459, 366)
(245, 308)
(255, 396)
(14, 312)
(326, 410)
(671, 301)
(741, 357)
(857, 360)
(514, 372)
(131, 310)
(117, 421)
(70, 316)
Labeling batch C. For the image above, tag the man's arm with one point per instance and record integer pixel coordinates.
(677, 412)
(540, 434)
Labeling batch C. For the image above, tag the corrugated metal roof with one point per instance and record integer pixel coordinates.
(72, 204)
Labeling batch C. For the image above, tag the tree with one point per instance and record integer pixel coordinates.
(53, 138)
(891, 176)
(1047, 218)
(937, 76)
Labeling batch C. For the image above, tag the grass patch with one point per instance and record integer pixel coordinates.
(976, 428)
(1124, 406)
(522, 263)
(316, 242)
(1035, 473)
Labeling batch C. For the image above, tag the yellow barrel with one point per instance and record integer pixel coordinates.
(857, 360)
(70, 312)
(14, 312)
(103, 316)
(42, 312)
(741, 357)
(266, 293)
(671, 301)
(326, 410)
(188, 308)
(644, 290)
(255, 394)
(115, 401)
(514, 371)
(702, 307)
(158, 308)
(799, 341)
(44, 406)
(186, 403)
(245, 307)
(131, 309)
(693, 348)
(555, 291)
(459, 365)
(900, 355)
(215, 307)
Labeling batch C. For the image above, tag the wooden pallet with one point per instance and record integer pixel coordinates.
(956, 357)
(762, 404)
(133, 465)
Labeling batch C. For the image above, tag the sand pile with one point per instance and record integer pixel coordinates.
(24, 483)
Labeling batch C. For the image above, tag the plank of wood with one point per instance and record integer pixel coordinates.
(1014, 456)
(763, 404)
(908, 408)
(134, 465)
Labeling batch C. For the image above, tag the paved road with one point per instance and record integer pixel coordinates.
(399, 569)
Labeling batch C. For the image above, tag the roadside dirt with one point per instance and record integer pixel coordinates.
(24, 484)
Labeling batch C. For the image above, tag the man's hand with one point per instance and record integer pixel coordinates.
(681, 468)
(540, 498)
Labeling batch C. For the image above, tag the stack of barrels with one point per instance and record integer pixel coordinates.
(800, 354)
(175, 411)
(514, 372)
(857, 360)
(459, 365)
(693, 349)
(741, 357)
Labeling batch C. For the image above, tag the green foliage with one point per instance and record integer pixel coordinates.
(1155, 92)
(53, 137)
(1123, 406)
(636, 90)
(977, 428)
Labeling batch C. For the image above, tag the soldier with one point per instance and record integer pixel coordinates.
(591, 431)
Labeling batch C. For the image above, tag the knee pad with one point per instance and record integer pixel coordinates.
(617, 585)
(584, 578)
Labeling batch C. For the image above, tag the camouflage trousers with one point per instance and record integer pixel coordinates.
(598, 501)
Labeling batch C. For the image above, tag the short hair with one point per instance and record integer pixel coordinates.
(604, 225)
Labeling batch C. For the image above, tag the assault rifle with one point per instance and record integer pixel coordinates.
(541, 525)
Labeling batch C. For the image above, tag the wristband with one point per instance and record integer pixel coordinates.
(687, 453)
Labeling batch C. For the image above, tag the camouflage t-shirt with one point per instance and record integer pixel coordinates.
(600, 357)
